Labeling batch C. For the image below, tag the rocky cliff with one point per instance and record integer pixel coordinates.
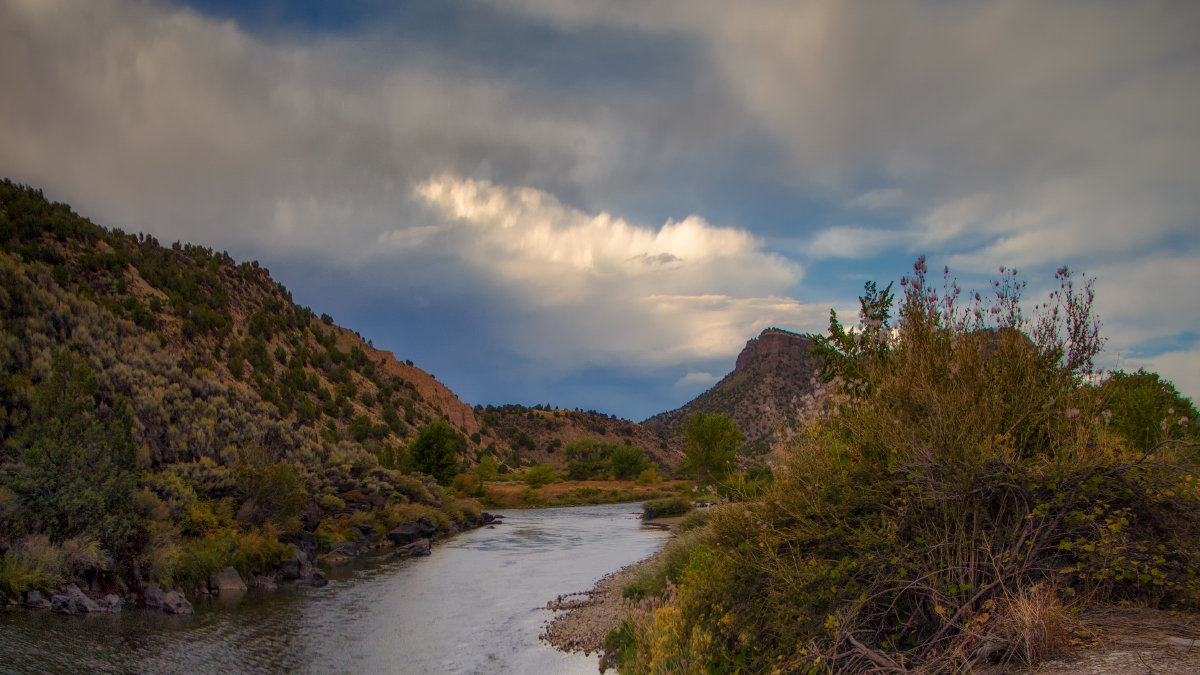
(763, 394)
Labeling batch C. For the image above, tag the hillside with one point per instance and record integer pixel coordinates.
(764, 393)
(540, 435)
(153, 398)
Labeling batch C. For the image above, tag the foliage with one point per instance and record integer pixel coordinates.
(712, 442)
(154, 398)
(627, 462)
(1147, 410)
(80, 463)
(539, 475)
(666, 507)
(435, 451)
(952, 502)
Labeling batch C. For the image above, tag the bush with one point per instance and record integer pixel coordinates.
(959, 489)
(539, 475)
(666, 507)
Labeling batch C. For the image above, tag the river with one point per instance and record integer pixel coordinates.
(474, 606)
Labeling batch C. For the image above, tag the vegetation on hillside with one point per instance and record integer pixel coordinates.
(165, 411)
(968, 483)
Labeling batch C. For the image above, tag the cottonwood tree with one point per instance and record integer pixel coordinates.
(712, 443)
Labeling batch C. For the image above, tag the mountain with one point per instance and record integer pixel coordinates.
(764, 394)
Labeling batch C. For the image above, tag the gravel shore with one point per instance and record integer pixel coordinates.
(589, 616)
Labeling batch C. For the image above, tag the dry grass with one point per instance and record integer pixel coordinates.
(517, 495)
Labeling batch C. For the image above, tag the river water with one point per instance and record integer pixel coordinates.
(474, 606)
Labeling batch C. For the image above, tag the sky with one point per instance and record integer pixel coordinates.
(595, 204)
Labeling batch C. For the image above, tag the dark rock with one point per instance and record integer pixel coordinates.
(289, 569)
(491, 527)
(303, 541)
(264, 583)
(487, 517)
(63, 604)
(405, 533)
(367, 532)
(82, 602)
(418, 547)
(175, 603)
(112, 603)
(426, 526)
(319, 578)
(154, 595)
(228, 580)
(36, 600)
(346, 548)
(131, 600)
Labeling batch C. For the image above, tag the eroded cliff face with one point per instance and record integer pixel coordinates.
(763, 394)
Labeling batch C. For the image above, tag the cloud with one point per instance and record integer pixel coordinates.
(1017, 130)
(693, 380)
(854, 242)
(619, 293)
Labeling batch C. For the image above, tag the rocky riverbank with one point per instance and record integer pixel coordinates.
(591, 615)
(409, 539)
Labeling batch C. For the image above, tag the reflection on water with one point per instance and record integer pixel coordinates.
(474, 606)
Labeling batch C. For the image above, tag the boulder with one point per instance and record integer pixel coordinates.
(289, 569)
(63, 604)
(82, 602)
(319, 578)
(304, 541)
(175, 603)
(405, 533)
(228, 579)
(264, 583)
(487, 517)
(346, 548)
(426, 526)
(112, 603)
(418, 547)
(36, 600)
(367, 533)
(154, 595)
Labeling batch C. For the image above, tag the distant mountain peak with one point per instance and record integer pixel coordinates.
(762, 394)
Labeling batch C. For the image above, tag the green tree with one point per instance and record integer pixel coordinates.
(539, 475)
(627, 462)
(80, 470)
(1146, 409)
(712, 443)
(487, 468)
(435, 451)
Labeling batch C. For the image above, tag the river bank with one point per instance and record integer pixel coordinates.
(586, 618)
(475, 606)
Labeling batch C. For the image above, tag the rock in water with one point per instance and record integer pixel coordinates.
(154, 595)
(82, 602)
(36, 600)
(405, 533)
(62, 604)
(228, 579)
(112, 603)
(418, 547)
(175, 603)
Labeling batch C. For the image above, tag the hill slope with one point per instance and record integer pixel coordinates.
(539, 435)
(764, 393)
(153, 397)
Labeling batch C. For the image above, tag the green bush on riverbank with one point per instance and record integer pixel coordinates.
(959, 487)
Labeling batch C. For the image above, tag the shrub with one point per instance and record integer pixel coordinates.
(960, 487)
(649, 476)
(539, 475)
(666, 507)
